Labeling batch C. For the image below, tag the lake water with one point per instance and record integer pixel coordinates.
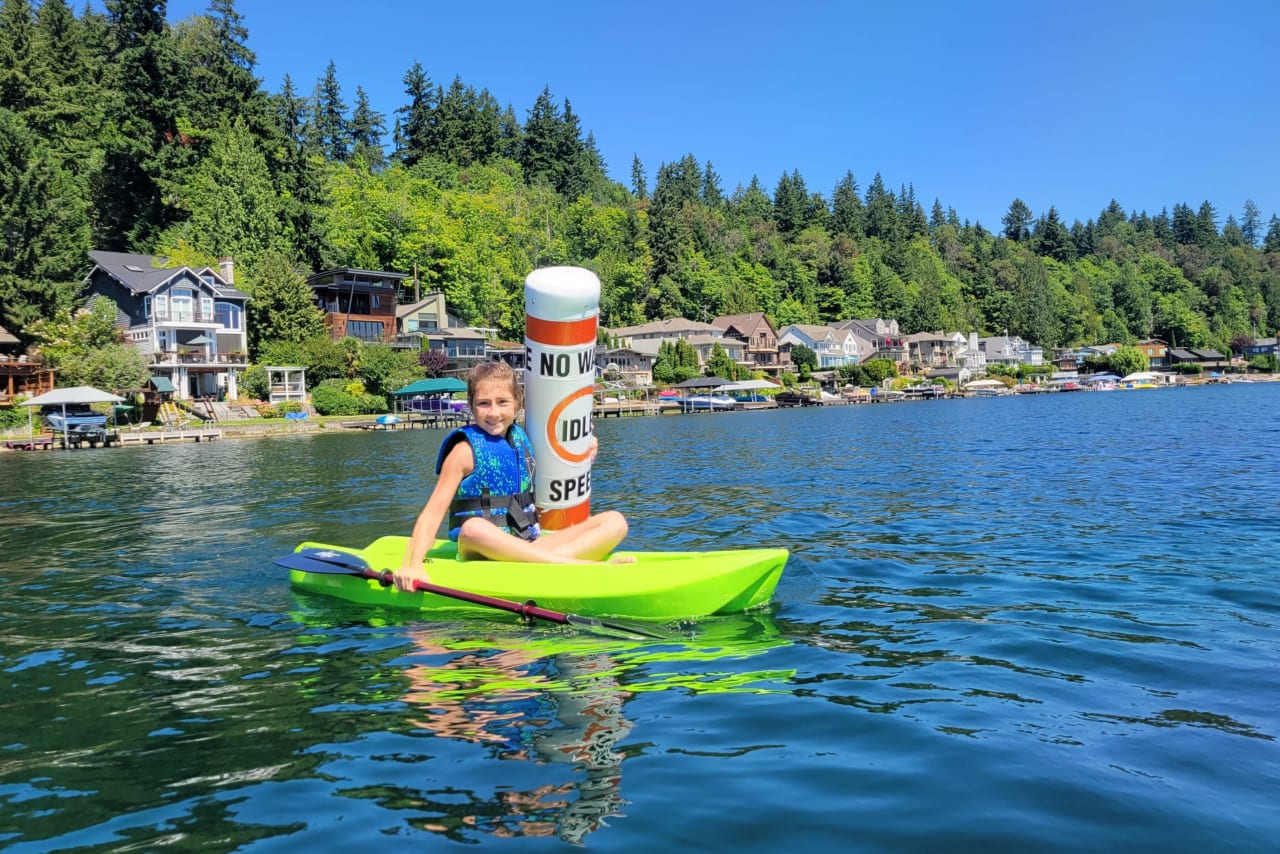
(1046, 622)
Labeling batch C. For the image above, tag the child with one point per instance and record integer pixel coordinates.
(485, 488)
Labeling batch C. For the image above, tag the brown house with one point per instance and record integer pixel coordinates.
(1157, 352)
(358, 303)
(20, 374)
(759, 338)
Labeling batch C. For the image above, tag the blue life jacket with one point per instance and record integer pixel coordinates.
(500, 487)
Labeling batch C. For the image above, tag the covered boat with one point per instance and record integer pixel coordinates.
(657, 586)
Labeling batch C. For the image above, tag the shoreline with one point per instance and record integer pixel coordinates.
(277, 428)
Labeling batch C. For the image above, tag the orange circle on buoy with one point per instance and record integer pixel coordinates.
(560, 450)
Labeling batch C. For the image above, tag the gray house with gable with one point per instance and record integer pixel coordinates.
(188, 322)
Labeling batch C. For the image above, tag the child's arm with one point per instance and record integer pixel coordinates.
(457, 464)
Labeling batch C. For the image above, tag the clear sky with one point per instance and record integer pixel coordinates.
(975, 102)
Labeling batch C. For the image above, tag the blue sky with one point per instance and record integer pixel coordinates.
(976, 103)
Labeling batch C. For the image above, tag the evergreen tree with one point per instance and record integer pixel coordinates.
(1207, 224)
(69, 73)
(216, 69)
(937, 218)
(752, 203)
(543, 131)
(282, 308)
(1017, 222)
(367, 128)
(330, 116)
(414, 119)
(712, 193)
(17, 55)
(639, 183)
(1250, 226)
(1051, 238)
(299, 176)
(44, 230)
(128, 202)
(882, 217)
(234, 207)
(1271, 243)
(790, 203)
(847, 214)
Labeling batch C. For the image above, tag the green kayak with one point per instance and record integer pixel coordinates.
(658, 586)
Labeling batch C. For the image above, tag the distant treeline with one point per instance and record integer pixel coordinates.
(121, 132)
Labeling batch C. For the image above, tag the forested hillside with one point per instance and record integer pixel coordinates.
(121, 132)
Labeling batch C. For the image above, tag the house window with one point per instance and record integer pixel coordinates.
(365, 330)
(183, 302)
(146, 306)
(206, 309)
(162, 307)
(228, 315)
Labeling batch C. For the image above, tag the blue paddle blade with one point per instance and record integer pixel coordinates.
(326, 561)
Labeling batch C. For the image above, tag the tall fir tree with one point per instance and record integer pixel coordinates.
(414, 118)
(330, 116)
(130, 209)
(367, 129)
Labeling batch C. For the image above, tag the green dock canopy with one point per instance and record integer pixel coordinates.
(446, 385)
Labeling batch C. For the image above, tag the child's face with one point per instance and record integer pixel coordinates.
(494, 407)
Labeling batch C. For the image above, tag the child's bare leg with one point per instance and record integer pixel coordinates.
(479, 538)
(591, 540)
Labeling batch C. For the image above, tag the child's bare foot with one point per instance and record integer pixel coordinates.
(622, 559)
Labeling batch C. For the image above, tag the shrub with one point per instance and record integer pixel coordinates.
(266, 410)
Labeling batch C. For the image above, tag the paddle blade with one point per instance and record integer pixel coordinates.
(618, 628)
(325, 562)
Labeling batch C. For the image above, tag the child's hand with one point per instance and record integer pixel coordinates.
(406, 578)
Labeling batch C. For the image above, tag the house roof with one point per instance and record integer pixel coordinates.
(7, 337)
(410, 308)
(672, 326)
(143, 274)
(1207, 354)
(812, 331)
(742, 322)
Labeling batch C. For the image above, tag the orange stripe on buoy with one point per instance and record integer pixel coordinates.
(559, 518)
(561, 333)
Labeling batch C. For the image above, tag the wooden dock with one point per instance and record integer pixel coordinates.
(152, 437)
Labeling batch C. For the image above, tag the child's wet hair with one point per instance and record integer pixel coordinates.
(496, 370)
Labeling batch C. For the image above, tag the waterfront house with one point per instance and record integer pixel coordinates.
(970, 354)
(760, 340)
(632, 366)
(21, 374)
(1156, 351)
(358, 303)
(884, 339)
(1260, 347)
(933, 349)
(1207, 359)
(421, 317)
(188, 322)
(833, 347)
(1011, 350)
(957, 375)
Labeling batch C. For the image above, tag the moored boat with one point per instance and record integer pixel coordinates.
(657, 586)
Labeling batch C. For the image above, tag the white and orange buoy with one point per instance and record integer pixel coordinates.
(562, 309)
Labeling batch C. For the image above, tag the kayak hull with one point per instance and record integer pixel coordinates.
(658, 586)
